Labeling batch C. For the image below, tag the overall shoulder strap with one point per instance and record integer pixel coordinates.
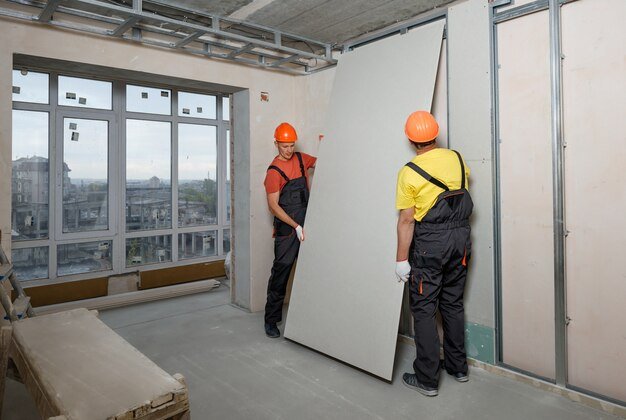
(427, 176)
(299, 156)
(277, 169)
(462, 168)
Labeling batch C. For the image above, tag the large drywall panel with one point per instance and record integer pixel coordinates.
(594, 105)
(345, 300)
(440, 112)
(440, 97)
(470, 133)
(526, 194)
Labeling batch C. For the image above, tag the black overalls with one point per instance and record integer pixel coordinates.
(439, 255)
(294, 197)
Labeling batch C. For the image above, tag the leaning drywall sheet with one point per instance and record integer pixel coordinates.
(469, 87)
(345, 300)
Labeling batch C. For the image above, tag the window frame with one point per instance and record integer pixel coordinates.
(117, 233)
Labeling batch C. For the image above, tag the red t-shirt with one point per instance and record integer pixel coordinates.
(275, 182)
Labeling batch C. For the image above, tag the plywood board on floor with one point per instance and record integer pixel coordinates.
(345, 300)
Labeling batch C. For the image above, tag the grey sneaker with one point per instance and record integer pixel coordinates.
(459, 376)
(272, 331)
(410, 380)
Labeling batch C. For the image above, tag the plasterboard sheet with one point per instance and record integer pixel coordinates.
(345, 300)
(469, 80)
(526, 194)
(594, 100)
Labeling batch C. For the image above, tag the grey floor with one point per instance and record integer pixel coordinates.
(235, 372)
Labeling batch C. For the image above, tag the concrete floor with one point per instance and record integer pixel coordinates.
(235, 372)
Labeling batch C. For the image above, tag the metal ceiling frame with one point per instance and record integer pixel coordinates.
(222, 38)
(400, 27)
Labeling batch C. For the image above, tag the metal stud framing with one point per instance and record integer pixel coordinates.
(560, 314)
(182, 29)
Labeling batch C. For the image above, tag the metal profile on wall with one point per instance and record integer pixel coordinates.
(519, 11)
(560, 315)
(560, 312)
(177, 28)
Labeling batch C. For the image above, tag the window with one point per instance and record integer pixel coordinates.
(148, 100)
(148, 250)
(102, 190)
(30, 87)
(84, 257)
(30, 263)
(197, 244)
(85, 175)
(226, 244)
(226, 108)
(84, 93)
(148, 175)
(197, 175)
(29, 213)
(197, 105)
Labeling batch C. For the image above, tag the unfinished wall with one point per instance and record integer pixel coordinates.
(526, 195)
(311, 97)
(594, 103)
(39, 40)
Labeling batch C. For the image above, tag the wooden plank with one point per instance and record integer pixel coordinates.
(51, 294)
(181, 274)
(5, 343)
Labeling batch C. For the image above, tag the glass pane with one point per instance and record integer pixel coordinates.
(226, 244)
(226, 108)
(148, 175)
(30, 263)
(149, 250)
(84, 93)
(29, 86)
(228, 176)
(197, 175)
(197, 105)
(197, 244)
(148, 100)
(85, 175)
(29, 176)
(85, 257)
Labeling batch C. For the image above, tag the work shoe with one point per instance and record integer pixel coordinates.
(459, 377)
(272, 331)
(410, 380)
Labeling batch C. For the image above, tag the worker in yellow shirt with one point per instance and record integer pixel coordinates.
(434, 248)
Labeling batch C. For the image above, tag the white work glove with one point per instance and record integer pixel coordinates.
(300, 233)
(403, 270)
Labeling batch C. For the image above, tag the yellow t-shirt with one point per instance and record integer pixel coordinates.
(413, 190)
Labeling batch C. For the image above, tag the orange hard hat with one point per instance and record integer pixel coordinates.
(285, 133)
(421, 127)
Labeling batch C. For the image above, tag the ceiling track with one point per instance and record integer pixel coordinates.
(158, 24)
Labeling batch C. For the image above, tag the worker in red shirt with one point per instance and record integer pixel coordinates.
(287, 188)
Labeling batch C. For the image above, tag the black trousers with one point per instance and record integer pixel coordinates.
(438, 272)
(285, 253)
